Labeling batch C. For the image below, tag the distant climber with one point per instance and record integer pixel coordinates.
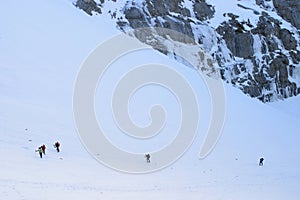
(43, 147)
(261, 162)
(57, 145)
(147, 156)
(40, 151)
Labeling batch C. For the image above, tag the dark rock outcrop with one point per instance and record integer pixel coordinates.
(261, 58)
(288, 40)
(157, 13)
(89, 6)
(289, 10)
(237, 39)
(202, 10)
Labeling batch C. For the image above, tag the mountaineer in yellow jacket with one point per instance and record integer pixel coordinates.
(40, 151)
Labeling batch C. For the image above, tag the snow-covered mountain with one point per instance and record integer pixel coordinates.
(254, 43)
(42, 47)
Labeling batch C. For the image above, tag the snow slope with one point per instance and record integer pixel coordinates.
(42, 45)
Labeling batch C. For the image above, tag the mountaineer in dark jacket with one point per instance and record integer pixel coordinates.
(57, 145)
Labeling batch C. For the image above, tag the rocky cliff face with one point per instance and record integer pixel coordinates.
(254, 47)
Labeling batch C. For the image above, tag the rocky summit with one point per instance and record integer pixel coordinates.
(252, 44)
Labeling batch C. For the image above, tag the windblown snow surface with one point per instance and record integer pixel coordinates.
(42, 46)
